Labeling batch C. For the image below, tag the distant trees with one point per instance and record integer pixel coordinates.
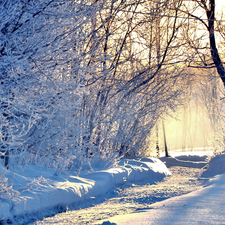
(204, 33)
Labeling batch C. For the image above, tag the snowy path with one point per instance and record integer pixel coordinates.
(128, 199)
(204, 206)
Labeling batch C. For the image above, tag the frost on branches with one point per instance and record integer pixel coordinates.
(40, 85)
(72, 87)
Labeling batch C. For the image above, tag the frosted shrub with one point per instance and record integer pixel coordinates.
(6, 190)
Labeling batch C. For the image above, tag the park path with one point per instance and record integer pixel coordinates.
(127, 199)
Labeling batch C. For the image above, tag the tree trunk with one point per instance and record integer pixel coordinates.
(214, 52)
(164, 134)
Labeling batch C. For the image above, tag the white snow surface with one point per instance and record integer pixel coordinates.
(37, 188)
(204, 206)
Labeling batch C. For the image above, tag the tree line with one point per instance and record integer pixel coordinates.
(87, 79)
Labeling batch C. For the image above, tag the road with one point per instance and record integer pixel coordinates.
(128, 199)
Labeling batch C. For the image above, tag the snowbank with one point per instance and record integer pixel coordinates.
(185, 161)
(216, 165)
(39, 188)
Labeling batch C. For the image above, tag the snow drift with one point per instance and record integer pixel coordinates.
(38, 188)
(216, 165)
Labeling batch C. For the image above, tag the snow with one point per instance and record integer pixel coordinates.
(204, 206)
(37, 188)
(216, 166)
(184, 161)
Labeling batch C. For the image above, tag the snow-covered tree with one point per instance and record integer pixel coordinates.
(85, 79)
(41, 75)
(132, 84)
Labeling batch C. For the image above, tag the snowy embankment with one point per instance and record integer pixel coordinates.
(36, 188)
(216, 166)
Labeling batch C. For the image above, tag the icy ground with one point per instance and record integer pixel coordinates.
(132, 185)
(204, 206)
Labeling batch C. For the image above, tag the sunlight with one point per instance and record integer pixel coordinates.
(190, 129)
